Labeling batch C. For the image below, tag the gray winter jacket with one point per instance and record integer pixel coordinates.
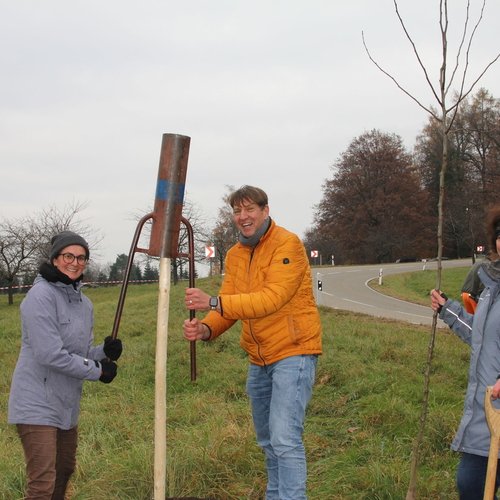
(56, 356)
(481, 332)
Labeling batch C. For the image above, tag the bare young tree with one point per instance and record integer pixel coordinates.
(448, 103)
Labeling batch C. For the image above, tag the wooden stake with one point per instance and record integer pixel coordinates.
(160, 438)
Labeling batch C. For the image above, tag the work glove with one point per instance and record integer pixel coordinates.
(112, 348)
(109, 369)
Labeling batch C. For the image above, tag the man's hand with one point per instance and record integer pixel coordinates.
(194, 329)
(196, 299)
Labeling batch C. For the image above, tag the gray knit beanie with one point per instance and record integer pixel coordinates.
(65, 239)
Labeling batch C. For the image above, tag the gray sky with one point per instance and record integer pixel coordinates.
(271, 92)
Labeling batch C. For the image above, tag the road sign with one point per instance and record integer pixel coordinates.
(209, 252)
(314, 253)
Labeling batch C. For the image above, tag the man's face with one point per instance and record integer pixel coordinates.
(248, 217)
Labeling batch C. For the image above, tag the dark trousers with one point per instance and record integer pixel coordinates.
(50, 455)
(471, 476)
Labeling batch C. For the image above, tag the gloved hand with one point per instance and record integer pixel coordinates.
(112, 347)
(109, 369)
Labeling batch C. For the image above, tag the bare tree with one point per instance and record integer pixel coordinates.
(196, 219)
(445, 117)
(472, 174)
(52, 220)
(193, 214)
(224, 234)
(20, 242)
(25, 242)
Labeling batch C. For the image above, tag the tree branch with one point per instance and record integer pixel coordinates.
(429, 110)
(416, 52)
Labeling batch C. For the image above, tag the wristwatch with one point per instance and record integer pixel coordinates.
(213, 303)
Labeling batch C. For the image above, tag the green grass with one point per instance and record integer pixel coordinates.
(415, 287)
(361, 421)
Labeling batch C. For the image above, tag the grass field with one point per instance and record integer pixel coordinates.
(361, 421)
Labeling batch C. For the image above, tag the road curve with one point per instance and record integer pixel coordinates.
(346, 287)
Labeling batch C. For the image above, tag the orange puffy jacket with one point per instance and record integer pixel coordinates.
(269, 288)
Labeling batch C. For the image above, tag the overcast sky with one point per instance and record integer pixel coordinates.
(271, 93)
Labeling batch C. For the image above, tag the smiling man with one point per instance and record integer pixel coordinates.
(268, 287)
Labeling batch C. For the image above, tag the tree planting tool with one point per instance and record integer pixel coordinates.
(166, 219)
(163, 243)
(493, 419)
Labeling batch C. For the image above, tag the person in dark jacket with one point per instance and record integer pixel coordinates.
(472, 288)
(57, 355)
(481, 331)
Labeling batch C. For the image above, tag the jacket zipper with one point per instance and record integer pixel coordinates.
(250, 321)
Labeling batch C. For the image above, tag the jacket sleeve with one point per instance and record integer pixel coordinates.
(458, 319)
(43, 334)
(283, 277)
(95, 352)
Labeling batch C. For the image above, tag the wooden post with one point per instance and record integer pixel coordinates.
(160, 441)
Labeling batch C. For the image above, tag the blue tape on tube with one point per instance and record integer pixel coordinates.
(163, 187)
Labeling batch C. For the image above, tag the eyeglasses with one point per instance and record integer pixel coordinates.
(69, 258)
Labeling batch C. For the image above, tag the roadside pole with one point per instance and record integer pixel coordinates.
(319, 288)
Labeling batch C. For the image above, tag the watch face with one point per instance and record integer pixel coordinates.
(214, 301)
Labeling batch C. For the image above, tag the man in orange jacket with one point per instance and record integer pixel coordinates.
(268, 287)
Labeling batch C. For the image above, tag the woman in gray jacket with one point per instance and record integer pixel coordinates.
(56, 356)
(481, 331)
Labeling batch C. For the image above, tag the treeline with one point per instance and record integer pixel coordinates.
(381, 202)
(116, 271)
(146, 270)
(379, 205)
(25, 244)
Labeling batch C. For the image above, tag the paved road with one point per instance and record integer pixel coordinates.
(346, 287)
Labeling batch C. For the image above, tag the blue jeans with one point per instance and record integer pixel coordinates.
(279, 394)
(471, 476)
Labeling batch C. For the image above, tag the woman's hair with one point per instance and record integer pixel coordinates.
(492, 230)
(248, 193)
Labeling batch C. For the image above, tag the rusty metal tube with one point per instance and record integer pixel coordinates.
(169, 196)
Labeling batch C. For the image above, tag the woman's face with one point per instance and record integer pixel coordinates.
(71, 261)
